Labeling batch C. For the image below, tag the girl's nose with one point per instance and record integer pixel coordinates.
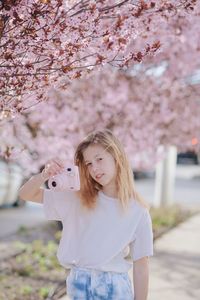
(95, 168)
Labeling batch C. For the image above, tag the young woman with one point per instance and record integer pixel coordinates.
(102, 223)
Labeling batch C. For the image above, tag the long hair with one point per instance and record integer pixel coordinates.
(124, 178)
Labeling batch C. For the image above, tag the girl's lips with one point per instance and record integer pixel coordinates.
(99, 176)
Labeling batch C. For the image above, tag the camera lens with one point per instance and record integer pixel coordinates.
(69, 169)
(54, 184)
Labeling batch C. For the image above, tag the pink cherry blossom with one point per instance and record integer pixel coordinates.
(142, 111)
(45, 42)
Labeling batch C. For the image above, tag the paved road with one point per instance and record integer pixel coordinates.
(187, 192)
(11, 219)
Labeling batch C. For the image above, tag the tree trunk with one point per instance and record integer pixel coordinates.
(165, 178)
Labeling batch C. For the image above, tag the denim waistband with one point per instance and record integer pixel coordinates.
(96, 271)
(82, 282)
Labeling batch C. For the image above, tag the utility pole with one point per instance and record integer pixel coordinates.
(165, 178)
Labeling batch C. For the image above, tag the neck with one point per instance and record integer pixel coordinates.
(110, 191)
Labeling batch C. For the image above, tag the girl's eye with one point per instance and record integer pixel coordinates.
(89, 164)
(100, 158)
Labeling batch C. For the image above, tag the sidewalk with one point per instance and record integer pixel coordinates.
(174, 268)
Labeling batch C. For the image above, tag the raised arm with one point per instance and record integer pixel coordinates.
(32, 190)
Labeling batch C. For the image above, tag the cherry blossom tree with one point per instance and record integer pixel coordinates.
(143, 111)
(49, 43)
(52, 54)
(180, 45)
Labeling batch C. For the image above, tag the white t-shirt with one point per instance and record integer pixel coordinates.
(102, 238)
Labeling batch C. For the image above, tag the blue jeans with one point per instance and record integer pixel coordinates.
(90, 284)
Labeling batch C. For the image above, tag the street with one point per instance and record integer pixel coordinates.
(186, 191)
(11, 219)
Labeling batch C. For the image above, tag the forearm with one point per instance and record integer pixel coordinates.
(141, 279)
(31, 187)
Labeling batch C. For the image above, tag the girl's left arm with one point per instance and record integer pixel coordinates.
(141, 278)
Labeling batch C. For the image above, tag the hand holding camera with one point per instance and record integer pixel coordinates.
(61, 176)
(52, 168)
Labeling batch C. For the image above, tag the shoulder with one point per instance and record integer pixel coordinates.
(139, 207)
(141, 212)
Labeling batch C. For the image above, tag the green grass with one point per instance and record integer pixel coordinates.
(168, 216)
(26, 290)
(22, 229)
(44, 292)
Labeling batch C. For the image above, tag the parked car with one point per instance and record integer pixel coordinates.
(11, 178)
(188, 158)
(143, 174)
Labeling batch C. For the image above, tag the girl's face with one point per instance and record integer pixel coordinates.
(100, 164)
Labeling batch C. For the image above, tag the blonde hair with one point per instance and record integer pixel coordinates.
(124, 179)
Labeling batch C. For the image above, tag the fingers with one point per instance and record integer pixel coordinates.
(53, 167)
(58, 162)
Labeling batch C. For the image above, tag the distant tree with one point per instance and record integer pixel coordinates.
(144, 112)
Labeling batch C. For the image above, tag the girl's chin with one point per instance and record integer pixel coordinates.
(100, 182)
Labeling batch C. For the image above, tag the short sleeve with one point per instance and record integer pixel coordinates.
(56, 205)
(142, 245)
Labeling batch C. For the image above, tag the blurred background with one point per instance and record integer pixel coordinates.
(70, 67)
